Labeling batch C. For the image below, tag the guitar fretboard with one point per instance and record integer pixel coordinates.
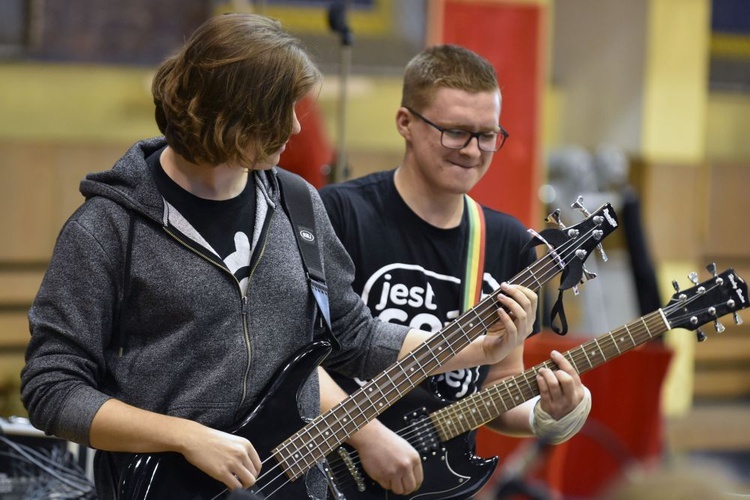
(326, 432)
(476, 410)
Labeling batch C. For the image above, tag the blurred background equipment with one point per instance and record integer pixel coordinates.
(35, 466)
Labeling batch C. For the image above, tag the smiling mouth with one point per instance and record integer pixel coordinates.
(465, 167)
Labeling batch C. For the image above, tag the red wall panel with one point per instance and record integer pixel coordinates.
(511, 36)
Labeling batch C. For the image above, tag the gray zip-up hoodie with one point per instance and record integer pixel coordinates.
(185, 342)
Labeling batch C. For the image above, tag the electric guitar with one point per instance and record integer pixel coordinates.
(286, 460)
(452, 471)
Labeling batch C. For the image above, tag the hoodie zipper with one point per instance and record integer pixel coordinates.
(254, 261)
(243, 298)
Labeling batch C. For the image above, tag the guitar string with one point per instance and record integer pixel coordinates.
(575, 244)
(578, 356)
(427, 425)
(645, 329)
(566, 250)
(654, 319)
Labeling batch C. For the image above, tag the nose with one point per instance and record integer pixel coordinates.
(296, 127)
(472, 147)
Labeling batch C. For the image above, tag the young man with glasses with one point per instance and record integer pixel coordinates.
(408, 231)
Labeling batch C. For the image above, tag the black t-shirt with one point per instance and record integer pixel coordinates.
(409, 272)
(225, 226)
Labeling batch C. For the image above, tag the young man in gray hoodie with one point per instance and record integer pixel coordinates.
(177, 291)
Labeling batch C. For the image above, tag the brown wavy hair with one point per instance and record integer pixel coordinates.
(445, 66)
(229, 94)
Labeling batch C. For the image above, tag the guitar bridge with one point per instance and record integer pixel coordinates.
(352, 468)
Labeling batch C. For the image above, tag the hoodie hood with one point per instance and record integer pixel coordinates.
(129, 182)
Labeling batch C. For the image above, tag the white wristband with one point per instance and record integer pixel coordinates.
(558, 431)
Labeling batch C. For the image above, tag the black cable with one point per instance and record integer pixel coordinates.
(74, 480)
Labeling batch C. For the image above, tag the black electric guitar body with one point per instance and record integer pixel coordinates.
(289, 447)
(441, 434)
(170, 476)
(450, 468)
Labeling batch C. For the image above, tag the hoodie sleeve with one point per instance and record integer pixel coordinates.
(368, 345)
(71, 324)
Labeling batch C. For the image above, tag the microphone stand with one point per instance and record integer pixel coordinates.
(337, 23)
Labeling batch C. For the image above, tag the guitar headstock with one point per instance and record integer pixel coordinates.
(708, 301)
(570, 246)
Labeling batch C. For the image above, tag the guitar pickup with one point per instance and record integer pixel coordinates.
(423, 436)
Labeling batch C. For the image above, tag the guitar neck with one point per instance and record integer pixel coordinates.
(327, 431)
(476, 410)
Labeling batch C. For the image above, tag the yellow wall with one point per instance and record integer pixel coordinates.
(72, 102)
(676, 81)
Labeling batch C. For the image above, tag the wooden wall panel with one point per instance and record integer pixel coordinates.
(727, 232)
(674, 210)
(40, 191)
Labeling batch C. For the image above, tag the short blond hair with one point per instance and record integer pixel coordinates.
(445, 66)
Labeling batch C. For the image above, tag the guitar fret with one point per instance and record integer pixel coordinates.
(530, 378)
(528, 382)
(299, 456)
(645, 325)
(329, 433)
(479, 318)
(605, 347)
(476, 419)
(449, 345)
(449, 423)
(539, 284)
(631, 335)
(434, 357)
(507, 389)
(490, 397)
(406, 376)
(424, 372)
(346, 419)
(598, 352)
(393, 384)
(572, 361)
(614, 342)
(372, 387)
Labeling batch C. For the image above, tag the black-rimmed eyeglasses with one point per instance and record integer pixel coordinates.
(456, 138)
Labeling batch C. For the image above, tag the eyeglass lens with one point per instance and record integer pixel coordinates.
(459, 139)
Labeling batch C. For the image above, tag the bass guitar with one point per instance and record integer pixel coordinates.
(452, 471)
(286, 460)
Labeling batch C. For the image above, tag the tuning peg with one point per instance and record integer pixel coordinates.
(578, 205)
(598, 233)
(675, 285)
(719, 327)
(599, 246)
(737, 318)
(554, 217)
(693, 277)
(700, 335)
(587, 275)
(712, 269)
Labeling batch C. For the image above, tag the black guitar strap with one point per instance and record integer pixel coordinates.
(297, 203)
